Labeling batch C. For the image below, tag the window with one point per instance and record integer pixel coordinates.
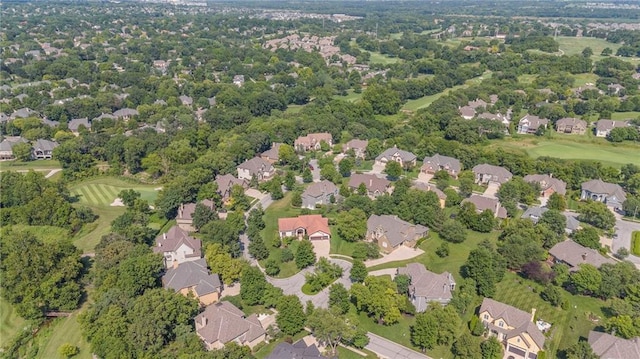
(486, 316)
(501, 324)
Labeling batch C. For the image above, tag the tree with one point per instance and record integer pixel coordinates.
(68, 350)
(606, 52)
(286, 154)
(403, 282)
(257, 249)
(275, 188)
(467, 346)
(453, 231)
(359, 271)
(307, 176)
(622, 326)
(345, 166)
(393, 169)
(520, 243)
(271, 267)
(305, 256)
(464, 295)
(424, 333)
(352, 225)
(22, 151)
(378, 297)
(552, 294)
(290, 180)
(487, 268)
(383, 99)
(238, 201)
(597, 214)
(221, 262)
(339, 298)
(253, 285)
(555, 220)
(491, 348)
(329, 327)
(588, 237)
(557, 201)
(202, 215)
(286, 255)
(587, 279)
(296, 199)
(587, 52)
(290, 317)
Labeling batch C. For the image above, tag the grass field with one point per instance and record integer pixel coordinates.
(574, 45)
(583, 79)
(577, 148)
(635, 243)
(378, 58)
(351, 96)
(625, 115)
(65, 330)
(30, 165)
(10, 322)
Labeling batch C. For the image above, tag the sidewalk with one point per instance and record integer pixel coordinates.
(387, 349)
(400, 254)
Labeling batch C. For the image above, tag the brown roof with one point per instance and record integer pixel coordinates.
(546, 182)
(607, 125)
(273, 152)
(534, 121)
(174, 238)
(225, 322)
(501, 173)
(569, 121)
(467, 111)
(436, 161)
(396, 230)
(192, 274)
(356, 144)
(430, 188)
(318, 189)
(483, 203)
(312, 223)
(187, 210)
(372, 182)
(574, 254)
(226, 182)
(513, 317)
(428, 284)
(256, 165)
(313, 138)
(607, 346)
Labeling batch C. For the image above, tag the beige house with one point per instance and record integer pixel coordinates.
(177, 247)
(513, 327)
(225, 184)
(313, 226)
(604, 127)
(572, 126)
(405, 158)
(312, 141)
(256, 167)
(193, 278)
(390, 232)
(184, 217)
(359, 147)
(486, 174)
(436, 163)
(375, 185)
(223, 323)
(548, 184)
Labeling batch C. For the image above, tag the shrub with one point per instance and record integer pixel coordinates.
(443, 250)
(271, 267)
(286, 255)
(552, 294)
(68, 350)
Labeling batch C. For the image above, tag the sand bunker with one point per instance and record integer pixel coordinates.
(117, 203)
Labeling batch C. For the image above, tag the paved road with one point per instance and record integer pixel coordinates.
(387, 349)
(293, 284)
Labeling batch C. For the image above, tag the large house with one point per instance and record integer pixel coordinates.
(483, 203)
(571, 126)
(390, 232)
(607, 346)
(486, 173)
(297, 350)
(513, 327)
(534, 213)
(437, 162)
(43, 149)
(193, 278)
(6, 147)
(313, 226)
(427, 286)
(177, 247)
(225, 184)
(223, 323)
(530, 124)
(359, 147)
(74, 125)
(256, 167)
(428, 187)
(610, 194)
(573, 255)
(319, 193)
(312, 141)
(404, 158)
(184, 217)
(604, 127)
(375, 185)
(548, 184)
(125, 113)
(273, 154)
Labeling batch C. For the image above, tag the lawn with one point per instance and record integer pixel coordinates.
(635, 243)
(351, 96)
(47, 234)
(625, 115)
(10, 322)
(267, 349)
(574, 45)
(339, 245)
(344, 353)
(378, 58)
(577, 148)
(65, 330)
(30, 165)
(422, 102)
(583, 79)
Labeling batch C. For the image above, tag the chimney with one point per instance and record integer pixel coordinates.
(370, 182)
(203, 321)
(175, 264)
(164, 235)
(533, 314)
(584, 256)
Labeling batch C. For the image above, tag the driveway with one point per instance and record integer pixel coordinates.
(623, 238)
(424, 177)
(491, 190)
(381, 272)
(315, 172)
(377, 168)
(321, 248)
(293, 285)
(400, 254)
(387, 349)
(254, 193)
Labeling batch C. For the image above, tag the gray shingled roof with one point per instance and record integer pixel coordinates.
(44, 145)
(174, 238)
(273, 153)
(297, 350)
(607, 346)
(372, 182)
(189, 274)
(600, 187)
(225, 322)
(437, 161)
(574, 254)
(427, 285)
(514, 317)
(546, 182)
(501, 173)
(396, 230)
(125, 112)
(406, 156)
(483, 203)
(607, 125)
(256, 165)
(76, 122)
(319, 188)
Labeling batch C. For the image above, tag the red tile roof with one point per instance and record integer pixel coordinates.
(312, 223)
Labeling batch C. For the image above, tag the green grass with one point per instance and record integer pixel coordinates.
(293, 109)
(47, 234)
(583, 79)
(102, 191)
(422, 102)
(267, 349)
(66, 330)
(351, 96)
(635, 243)
(344, 353)
(10, 322)
(574, 45)
(625, 115)
(30, 165)
(378, 58)
(577, 148)
(339, 245)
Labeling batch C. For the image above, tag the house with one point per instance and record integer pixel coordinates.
(223, 323)
(573, 255)
(427, 286)
(273, 154)
(359, 147)
(437, 162)
(319, 193)
(193, 278)
(375, 185)
(6, 146)
(43, 149)
(297, 350)
(390, 232)
(184, 218)
(483, 203)
(428, 187)
(186, 100)
(513, 327)
(23, 113)
(74, 125)
(313, 226)
(607, 346)
(467, 112)
(256, 167)
(548, 184)
(225, 184)
(534, 213)
(312, 141)
(238, 80)
(571, 125)
(125, 113)
(177, 247)
(405, 158)
(530, 124)
(610, 194)
(486, 174)
(616, 89)
(477, 103)
(604, 127)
